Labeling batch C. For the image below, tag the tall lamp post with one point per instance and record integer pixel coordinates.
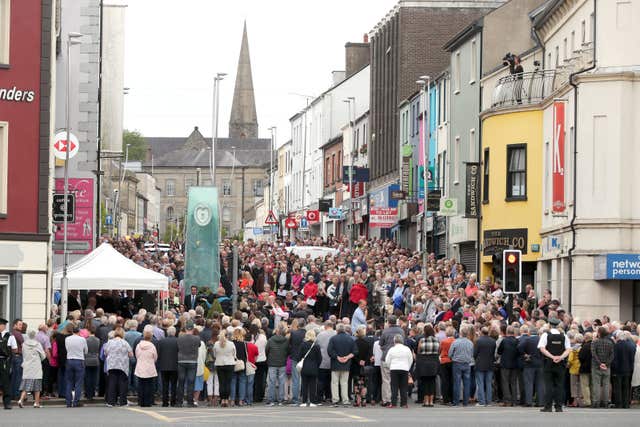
(425, 83)
(349, 100)
(72, 39)
(214, 127)
(273, 130)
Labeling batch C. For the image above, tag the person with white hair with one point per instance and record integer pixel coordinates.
(145, 368)
(399, 359)
(32, 357)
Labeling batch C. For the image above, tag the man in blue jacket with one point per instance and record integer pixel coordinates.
(342, 348)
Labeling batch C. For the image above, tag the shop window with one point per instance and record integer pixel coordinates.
(5, 24)
(4, 296)
(4, 165)
(516, 172)
(485, 177)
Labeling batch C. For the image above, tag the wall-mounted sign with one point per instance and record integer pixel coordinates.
(16, 95)
(324, 205)
(383, 217)
(60, 145)
(335, 213)
(448, 207)
(617, 267)
(359, 174)
(59, 208)
(398, 195)
(495, 241)
(433, 200)
(471, 208)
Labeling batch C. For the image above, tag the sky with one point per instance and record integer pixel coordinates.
(174, 48)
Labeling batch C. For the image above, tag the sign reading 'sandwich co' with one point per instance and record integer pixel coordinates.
(495, 241)
(17, 95)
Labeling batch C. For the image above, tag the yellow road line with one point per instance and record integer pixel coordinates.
(152, 414)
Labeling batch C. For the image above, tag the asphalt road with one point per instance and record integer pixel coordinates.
(293, 416)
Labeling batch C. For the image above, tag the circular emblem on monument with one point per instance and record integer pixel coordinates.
(202, 214)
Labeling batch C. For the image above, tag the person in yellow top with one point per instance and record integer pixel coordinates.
(574, 369)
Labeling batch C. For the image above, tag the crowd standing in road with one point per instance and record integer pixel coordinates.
(361, 327)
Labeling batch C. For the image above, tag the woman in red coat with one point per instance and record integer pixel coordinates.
(357, 293)
(310, 291)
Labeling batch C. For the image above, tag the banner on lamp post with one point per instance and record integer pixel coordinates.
(558, 203)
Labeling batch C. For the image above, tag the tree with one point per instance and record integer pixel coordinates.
(138, 145)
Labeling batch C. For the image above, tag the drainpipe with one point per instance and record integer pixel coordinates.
(575, 154)
(98, 224)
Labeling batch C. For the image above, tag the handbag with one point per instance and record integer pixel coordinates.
(250, 368)
(300, 364)
(239, 365)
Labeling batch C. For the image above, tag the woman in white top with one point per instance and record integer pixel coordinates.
(225, 354)
(260, 340)
(399, 358)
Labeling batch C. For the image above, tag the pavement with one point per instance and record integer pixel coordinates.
(99, 415)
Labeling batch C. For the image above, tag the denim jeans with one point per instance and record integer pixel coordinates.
(533, 384)
(90, 381)
(295, 383)
(249, 395)
(279, 375)
(484, 386)
(186, 381)
(16, 375)
(74, 379)
(133, 380)
(461, 372)
(62, 389)
(238, 387)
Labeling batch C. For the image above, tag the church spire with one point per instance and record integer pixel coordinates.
(244, 121)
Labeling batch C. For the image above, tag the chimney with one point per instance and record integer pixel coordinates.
(337, 77)
(356, 56)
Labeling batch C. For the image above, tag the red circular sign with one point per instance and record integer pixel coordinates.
(313, 216)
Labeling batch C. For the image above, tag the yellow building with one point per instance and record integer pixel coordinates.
(512, 186)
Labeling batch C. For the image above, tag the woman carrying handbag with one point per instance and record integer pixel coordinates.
(309, 365)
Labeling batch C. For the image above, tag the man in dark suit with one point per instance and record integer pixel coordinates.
(191, 301)
(531, 365)
(74, 301)
(484, 355)
(168, 366)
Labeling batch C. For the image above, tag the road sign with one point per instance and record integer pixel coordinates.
(271, 219)
(58, 208)
(304, 224)
(313, 216)
(60, 145)
(291, 223)
(266, 229)
(108, 220)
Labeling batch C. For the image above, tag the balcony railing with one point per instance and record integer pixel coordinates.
(525, 88)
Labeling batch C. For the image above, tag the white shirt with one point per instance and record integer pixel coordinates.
(399, 357)
(543, 339)
(12, 343)
(377, 354)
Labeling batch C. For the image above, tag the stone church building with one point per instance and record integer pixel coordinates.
(241, 161)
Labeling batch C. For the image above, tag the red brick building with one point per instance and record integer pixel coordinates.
(26, 54)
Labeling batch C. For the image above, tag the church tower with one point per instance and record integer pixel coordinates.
(244, 121)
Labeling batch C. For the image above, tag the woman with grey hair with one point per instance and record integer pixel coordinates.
(399, 358)
(32, 357)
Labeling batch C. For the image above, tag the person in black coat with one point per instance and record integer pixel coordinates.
(168, 366)
(531, 365)
(509, 359)
(484, 355)
(192, 300)
(584, 355)
(624, 353)
(312, 357)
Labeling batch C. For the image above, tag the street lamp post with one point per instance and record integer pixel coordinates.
(273, 130)
(214, 127)
(351, 161)
(425, 82)
(72, 39)
(116, 208)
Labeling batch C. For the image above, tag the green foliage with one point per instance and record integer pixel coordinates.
(138, 145)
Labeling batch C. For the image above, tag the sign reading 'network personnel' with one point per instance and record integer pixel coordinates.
(617, 267)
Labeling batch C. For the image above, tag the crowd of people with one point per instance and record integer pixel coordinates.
(359, 327)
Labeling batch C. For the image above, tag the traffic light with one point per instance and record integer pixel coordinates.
(512, 280)
(496, 269)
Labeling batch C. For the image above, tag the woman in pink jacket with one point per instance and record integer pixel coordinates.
(146, 357)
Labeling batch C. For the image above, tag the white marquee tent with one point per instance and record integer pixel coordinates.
(106, 268)
(314, 251)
